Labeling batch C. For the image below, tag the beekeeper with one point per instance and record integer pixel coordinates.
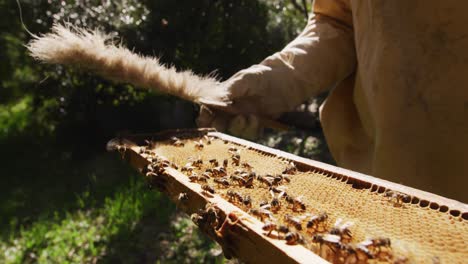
(397, 76)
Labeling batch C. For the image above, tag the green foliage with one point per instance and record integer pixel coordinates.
(84, 235)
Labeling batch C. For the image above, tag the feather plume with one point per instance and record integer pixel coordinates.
(95, 52)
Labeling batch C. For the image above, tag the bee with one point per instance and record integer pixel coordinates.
(199, 145)
(261, 213)
(188, 167)
(244, 174)
(264, 181)
(293, 238)
(197, 219)
(155, 168)
(240, 181)
(219, 171)
(150, 144)
(269, 227)
(397, 197)
(355, 254)
(332, 241)
(277, 179)
(342, 230)
(151, 174)
(207, 139)
(195, 178)
(222, 182)
(206, 189)
(290, 168)
(293, 221)
(263, 203)
(234, 196)
(282, 229)
(247, 201)
(238, 171)
(296, 202)
(164, 163)
(249, 181)
(214, 162)
(236, 159)
(247, 166)
(177, 142)
(317, 222)
(197, 163)
(362, 253)
(225, 163)
(281, 189)
(206, 175)
(275, 202)
(376, 243)
(182, 197)
(232, 150)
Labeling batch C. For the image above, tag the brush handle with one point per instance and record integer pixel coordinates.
(227, 108)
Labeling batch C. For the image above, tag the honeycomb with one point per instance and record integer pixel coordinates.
(419, 232)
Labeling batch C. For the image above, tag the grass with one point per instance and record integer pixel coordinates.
(132, 225)
(82, 235)
(66, 202)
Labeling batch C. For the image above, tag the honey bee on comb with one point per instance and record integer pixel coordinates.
(261, 213)
(293, 221)
(206, 189)
(342, 230)
(247, 201)
(182, 197)
(247, 166)
(207, 139)
(214, 162)
(317, 223)
(397, 198)
(199, 145)
(177, 142)
(296, 203)
(275, 201)
(269, 227)
(236, 159)
(293, 238)
(222, 182)
(264, 180)
(331, 241)
(377, 243)
(234, 196)
(290, 168)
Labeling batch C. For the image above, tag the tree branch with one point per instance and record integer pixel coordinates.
(304, 4)
(302, 9)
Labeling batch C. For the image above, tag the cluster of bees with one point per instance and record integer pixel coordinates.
(333, 243)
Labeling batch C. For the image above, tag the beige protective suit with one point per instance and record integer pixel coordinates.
(398, 75)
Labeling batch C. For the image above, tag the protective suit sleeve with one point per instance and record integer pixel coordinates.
(320, 57)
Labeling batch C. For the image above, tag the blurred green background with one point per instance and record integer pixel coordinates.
(63, 199)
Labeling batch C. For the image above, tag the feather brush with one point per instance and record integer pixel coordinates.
(94, 51)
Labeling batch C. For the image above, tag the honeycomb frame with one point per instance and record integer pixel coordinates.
(238, 242)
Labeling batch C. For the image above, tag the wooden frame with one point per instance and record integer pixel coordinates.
(240, 234)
